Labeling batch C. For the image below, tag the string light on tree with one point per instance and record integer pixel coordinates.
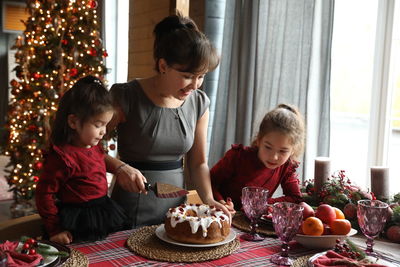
(54, 51)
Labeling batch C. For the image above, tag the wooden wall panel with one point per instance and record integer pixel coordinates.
(144, 15)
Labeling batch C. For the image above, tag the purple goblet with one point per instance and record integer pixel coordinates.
(255, 204)
(371, 215)
(286, 218)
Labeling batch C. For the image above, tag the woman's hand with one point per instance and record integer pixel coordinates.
(131, 179)
(218, 205)
(64, 238)
(229, 205)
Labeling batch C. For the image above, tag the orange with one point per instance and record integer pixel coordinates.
(312, 226)
(340, 227)
(339, 213)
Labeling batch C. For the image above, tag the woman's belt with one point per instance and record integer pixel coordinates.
(156, 165)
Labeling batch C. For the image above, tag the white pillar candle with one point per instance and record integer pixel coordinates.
(322, 172)
(380, 182)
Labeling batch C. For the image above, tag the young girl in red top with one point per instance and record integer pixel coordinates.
(71, 195)
(269, 162)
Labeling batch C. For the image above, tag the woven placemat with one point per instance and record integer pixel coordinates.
(145, 243)
(241, 222)
(301, 261)
(76, 259)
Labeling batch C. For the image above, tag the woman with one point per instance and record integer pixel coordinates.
(161, 120)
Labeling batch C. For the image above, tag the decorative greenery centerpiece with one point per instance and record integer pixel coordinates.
(337, 191)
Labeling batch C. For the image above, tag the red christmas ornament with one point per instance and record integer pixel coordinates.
(64, 41)
(92, 3)
(105, 54)
(112, 146)
(35, 179)
(38, 165)
(15, 91)
(36, 75)
(73, 72)
(27, 87)
(93, 52)
(14, 83)
(32, 128)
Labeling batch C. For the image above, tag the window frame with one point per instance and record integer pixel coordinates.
(380, 112)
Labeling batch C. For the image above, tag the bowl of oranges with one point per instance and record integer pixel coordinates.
(321, 228)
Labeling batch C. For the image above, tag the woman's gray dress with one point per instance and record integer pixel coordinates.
(154, 134)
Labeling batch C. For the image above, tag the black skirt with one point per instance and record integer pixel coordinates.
(92, 220)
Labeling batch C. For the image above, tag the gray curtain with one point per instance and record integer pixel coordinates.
(266, 60)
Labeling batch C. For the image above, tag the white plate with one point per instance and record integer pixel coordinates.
(46, 259)
(322, 241)
(380, 261)
(160, 233)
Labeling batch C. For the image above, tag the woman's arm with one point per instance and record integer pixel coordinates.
(198, 167)
(129, 178)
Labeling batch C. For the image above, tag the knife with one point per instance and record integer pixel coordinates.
(166, 190)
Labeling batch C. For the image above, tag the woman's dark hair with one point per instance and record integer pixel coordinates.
(179, 42)
(87, 98)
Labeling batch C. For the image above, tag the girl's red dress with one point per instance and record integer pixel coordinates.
(71, 175)
(241, 167)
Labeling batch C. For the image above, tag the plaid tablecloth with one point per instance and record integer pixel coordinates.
(113, 252)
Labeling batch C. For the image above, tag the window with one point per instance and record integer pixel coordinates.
(364, 75)
(394, 85)
(116, 20)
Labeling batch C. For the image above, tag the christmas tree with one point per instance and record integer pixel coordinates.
(61, 44)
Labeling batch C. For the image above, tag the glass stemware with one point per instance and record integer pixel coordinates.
(286, 218)
(371, 215)
(255, 204)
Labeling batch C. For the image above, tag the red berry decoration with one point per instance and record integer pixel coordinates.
(105, 54)
(30, 241)
(64, 41)
(35, 179)
(32, 251)
(26, 246)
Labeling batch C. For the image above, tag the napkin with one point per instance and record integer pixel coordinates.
(331, 258)
(16, 259)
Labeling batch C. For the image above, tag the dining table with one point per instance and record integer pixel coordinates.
(146, 246)
(113, 251)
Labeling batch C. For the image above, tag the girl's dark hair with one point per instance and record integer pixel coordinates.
(179, 42)
(87, 98)
(287, 120)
